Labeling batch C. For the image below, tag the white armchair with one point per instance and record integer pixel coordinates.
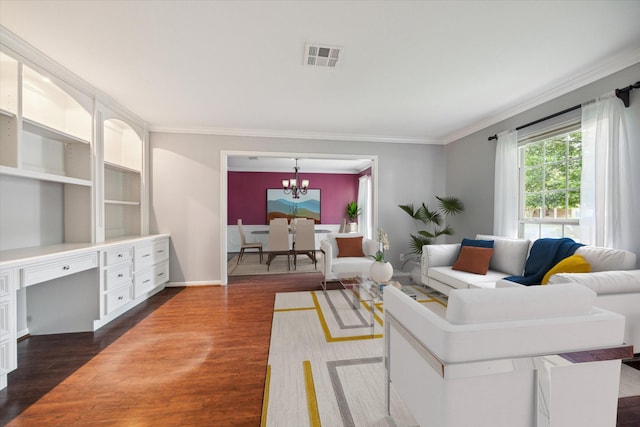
(334, 266)
(506, 357)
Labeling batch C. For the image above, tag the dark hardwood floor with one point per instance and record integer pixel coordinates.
(187, 357)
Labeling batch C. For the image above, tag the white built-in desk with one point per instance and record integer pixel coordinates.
(75, 287)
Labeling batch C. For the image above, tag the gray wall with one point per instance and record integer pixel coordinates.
(185, 190)
(470, 160)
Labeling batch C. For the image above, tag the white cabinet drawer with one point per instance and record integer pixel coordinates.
(118, 255)
(58, 268)
(149, 253)
(161, 273)
(6, 350)
(117, 298)
(143, 282)
(149, 279)
(5, 320)
(5, 283)
(118, 275)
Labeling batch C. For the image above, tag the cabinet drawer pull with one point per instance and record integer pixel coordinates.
(120, 255)
(146, 281)
(160, 274)
(146, 255)
(120, 275)
(160, 251)
(120, 298)
(66, 267)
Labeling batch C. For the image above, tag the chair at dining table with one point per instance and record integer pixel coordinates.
(246, 245)
(278, 240)
(304, 241)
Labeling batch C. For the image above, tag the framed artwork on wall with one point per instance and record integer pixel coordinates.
(280, 205)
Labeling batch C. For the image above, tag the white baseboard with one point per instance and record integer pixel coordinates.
(198, 283)
(22, 333)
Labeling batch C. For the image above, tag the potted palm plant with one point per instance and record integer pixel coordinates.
(430, 223)
(353, 211)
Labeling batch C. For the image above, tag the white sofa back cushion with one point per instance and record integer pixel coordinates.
(605, 259)
(522, 303)
(509, 255)
(603, 282)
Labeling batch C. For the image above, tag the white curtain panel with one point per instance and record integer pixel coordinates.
(606, 196)
(364, 202)
(505, 208)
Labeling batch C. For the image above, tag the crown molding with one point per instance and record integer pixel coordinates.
(263, 133)
(33, 57)
(613, 65)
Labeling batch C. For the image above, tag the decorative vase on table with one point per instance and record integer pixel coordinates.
(381, 271)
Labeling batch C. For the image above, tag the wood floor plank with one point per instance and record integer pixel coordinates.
(194, 356)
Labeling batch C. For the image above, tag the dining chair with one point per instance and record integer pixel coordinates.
(247, 245)
(278, 240)
(305, 241)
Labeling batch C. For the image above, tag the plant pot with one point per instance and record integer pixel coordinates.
(353, 227)
(381, 271)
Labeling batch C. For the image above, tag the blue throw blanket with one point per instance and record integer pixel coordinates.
(545, 253)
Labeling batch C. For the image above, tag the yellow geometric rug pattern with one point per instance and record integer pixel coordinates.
(326, 362)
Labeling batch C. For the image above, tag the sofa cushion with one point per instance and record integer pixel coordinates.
(462, 279)
(473, 259)
(603, 282)
(571, 264)
(352, 265)
(605, 259)
(509, 255)
(349, 247)
(477, 243)
(521, 303)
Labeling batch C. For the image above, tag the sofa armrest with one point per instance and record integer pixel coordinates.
(603, 282)
(370, 247)
(461, 343)
(439, 255)
(327, 255)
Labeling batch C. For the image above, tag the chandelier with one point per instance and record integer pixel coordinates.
(294, 186)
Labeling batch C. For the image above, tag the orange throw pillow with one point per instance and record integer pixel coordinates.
(349, 246)
(473, 260)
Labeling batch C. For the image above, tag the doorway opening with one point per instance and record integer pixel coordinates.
(282, 164)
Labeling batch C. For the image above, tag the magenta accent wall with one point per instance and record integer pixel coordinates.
(247, 195)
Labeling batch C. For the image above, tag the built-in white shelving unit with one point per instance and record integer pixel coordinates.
(122, 179)
(46, 178)
(71, 168)
(72, 176)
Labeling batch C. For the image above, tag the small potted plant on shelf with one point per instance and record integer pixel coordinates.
(353, 211)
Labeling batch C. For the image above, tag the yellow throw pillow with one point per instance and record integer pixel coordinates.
(572, 264)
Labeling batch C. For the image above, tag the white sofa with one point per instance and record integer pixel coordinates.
(612, 278)
(618, 291)
(334, 267)
(509, 258)
(509, 357)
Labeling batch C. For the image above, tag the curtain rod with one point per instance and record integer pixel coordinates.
(623, 94)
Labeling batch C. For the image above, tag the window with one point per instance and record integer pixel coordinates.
(550, 169)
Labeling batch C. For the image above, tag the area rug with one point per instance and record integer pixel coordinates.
(325, 365)
(325, 362)
(251, 265)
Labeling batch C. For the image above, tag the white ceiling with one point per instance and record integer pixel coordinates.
(410, 71)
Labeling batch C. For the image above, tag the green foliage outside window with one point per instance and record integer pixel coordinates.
(552, 177)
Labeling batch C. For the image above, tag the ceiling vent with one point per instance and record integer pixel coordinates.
(321, 55)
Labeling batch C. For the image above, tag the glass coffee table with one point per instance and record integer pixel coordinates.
(367, 291)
